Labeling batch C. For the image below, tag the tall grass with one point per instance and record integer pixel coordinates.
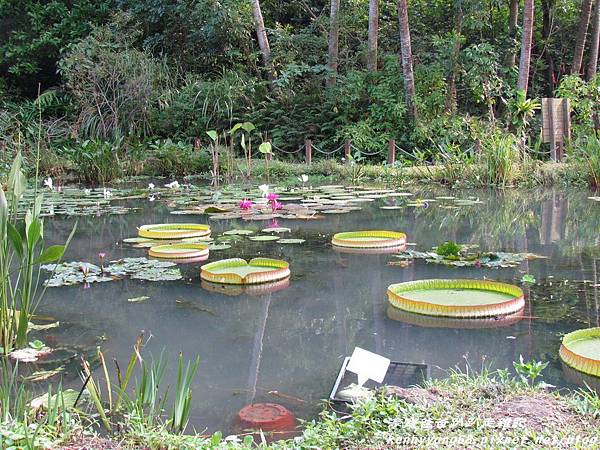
(587, 152)
(500, 159)
(145, 404)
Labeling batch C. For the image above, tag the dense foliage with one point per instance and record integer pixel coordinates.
(132, 72)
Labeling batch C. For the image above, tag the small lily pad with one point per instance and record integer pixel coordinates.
(238, 232)
(214, 247)
(264, 238)
(276, 230)
(291, 241)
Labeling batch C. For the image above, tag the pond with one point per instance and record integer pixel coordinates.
(287, 346)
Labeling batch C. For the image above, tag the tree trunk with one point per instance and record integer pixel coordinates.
(407, 59)
(584, 21)
(524, 62)
(513, 18)
(261, 35)
(450, 103)
(546, 32)
(334, 35)
(373, 32)
(595, 44)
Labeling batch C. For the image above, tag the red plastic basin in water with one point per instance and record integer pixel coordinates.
(267, 417)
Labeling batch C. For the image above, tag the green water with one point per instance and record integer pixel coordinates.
(457, 297)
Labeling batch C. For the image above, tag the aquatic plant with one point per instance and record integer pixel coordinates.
(21, 246)
(146, 405)
(448, 248)
(246, 205)
(529, 371)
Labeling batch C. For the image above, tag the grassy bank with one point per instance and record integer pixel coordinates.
(465, 410)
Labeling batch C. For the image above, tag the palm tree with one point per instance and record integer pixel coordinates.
(373, 32)
(261, 34)
(334, 35)
(584, 21)
(524, 62)
(595, 44)
(407, 59)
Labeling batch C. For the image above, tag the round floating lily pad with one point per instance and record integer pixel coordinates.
(369, 239)
(184, 250)
(239, 232)
(276, 230)
(581, 350)
(240, 271)
(457, 298)
(216, 247)
(291, 241)
(264, 238)
(174, 231)
(422, 320)
(137, 240)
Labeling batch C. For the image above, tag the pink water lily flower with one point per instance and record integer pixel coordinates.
(275, 205)
(272, 196)
(246, 204)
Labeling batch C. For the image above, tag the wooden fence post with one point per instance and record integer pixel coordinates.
(308, 151)
(391, 152)
(347, 149)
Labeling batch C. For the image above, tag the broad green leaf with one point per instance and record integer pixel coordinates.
(212, 134)
(265, 148)
(236, 127)
(34, 232)
(51, 254)
(248, 126)
(15, 238)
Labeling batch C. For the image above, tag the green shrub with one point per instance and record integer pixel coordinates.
(94, 161)
(169, 158)
(500, 159)
(587, 156)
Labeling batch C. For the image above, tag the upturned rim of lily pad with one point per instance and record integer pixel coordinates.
(503, 307)
(183, 251)
(378, 239)
(425, 321)
(173, 230)
(277, 270)
(569, 356)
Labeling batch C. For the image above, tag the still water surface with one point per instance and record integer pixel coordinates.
(294, 340)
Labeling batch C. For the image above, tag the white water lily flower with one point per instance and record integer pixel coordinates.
(87, 191)
(48, 182)
(264, 188)
(150, 186)
(107, 194)
(173, 185)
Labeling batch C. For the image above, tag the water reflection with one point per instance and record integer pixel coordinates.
(286, 346)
